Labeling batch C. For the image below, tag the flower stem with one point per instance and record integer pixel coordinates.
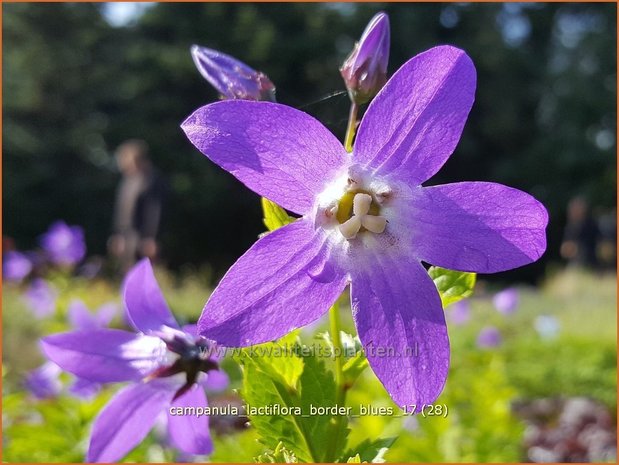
(340, 386)
(352, 126)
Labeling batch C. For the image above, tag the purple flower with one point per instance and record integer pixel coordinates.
(366, 220)
(15, 266)
(41, 298)
(506, 302)
(168, 366)
(81, 318)
(460, 312)
(232, 78)
(44, 382)
(365, 70)
(489, 337)
(64, 244)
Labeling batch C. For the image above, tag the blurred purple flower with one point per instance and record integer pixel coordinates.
(232, 78)
(15, 266)
(168, 366)
(365, 69)
(489, 337)
(547, 326)
(44, 382)
(365, 220)
(40, 297)
(507, 301)
(64, 244)
(81, 318)
(460, 312)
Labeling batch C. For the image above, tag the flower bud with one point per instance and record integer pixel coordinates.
(365, 69)
(230, 77)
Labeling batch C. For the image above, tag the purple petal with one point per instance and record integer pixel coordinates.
(414, 124)
(126, 420)
(105, 355)
(190, 433)
(400, 322)
(216, 381)
(506, 301)
(147, 309)
(80, 317)
(84, 389)
(281, 153)
(266, 293)
(44, 382)
(15, 266)
(477, 226)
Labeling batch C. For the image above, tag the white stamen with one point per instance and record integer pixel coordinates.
(375, 224)
(361, 204)
(351, 227)
(361, 207)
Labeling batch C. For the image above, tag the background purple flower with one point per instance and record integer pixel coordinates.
(232, 78)
(166, 366)
(507, 301)
(489, 337)
(81, 318)
(40, 297)
(15, 266)
(459, 313)
(44, 382)
(64, 244)
(365, 220)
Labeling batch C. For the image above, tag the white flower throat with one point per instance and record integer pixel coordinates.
(353, 210)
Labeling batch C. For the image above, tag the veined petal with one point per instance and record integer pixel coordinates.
(281, 153)
(481, 227)
(105, 355)
(414, 123)
(146, 307)
(190, 433)
(400, 322)
(265, 293)
(127, 419)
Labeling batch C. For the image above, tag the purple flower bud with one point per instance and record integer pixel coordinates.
(489, 337)
(64, 244)
(232, 78)
(365, 69)
(16, 266)
(506, 302)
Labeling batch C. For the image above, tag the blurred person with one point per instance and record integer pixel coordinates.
(139, 203)
(607, 245)
(581, 235)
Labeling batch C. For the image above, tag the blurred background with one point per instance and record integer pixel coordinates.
(79, 79)
(533, 372)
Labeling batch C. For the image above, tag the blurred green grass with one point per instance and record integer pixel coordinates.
(480, 390)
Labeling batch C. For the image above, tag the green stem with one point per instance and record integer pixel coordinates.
(352, 127)
(340, 386)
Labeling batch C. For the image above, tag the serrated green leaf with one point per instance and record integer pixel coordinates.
(274, 216)
(279, 455)
(371, 451)
(452, 285)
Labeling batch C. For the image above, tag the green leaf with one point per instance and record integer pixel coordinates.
(452, 285)
(279, 455)
(370, 451)
(293, 382)
(274, 216)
